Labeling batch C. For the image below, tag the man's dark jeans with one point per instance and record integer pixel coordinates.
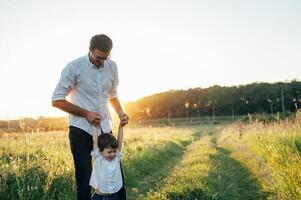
(81, 144)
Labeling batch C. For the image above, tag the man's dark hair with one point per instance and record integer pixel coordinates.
(107, 140)
(101, 42)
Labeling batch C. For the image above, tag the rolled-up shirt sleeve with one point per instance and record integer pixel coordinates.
(113, 91)
(65, 84)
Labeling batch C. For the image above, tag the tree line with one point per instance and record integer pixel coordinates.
(41, 124)
(282, 97)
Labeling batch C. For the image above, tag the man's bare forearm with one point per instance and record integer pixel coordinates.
(116, 105)
(92, 117)
(69, 108)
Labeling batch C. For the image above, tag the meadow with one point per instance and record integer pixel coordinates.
(206, 161)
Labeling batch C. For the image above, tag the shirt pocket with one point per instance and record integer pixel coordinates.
(87, 85)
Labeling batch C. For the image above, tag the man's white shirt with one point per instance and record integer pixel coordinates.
(89, 88)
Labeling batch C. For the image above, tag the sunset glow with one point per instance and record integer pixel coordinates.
(158, 46)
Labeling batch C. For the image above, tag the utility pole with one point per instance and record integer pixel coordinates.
(7, 118)
(271, 106)
(213, 112)
(187, 116)
(187, 111)
(282, 101)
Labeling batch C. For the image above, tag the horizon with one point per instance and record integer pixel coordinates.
(64, 114)
(158, 46)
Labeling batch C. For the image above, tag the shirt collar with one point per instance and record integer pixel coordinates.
(89, 62)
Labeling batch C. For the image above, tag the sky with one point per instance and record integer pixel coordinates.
(159, 45)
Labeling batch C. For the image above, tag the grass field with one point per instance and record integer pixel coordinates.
(272, 152)
(226, 162)
(40, 166)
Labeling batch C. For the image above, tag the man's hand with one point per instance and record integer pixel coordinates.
(124, 118)
(93, 117)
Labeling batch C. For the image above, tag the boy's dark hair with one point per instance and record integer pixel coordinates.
(101, 42)
(106, 140)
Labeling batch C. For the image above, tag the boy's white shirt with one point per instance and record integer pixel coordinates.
(106, 175)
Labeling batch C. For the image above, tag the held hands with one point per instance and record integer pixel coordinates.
(124, 118)
(93, 117)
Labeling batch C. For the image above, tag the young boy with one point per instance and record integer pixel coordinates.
(106, 177)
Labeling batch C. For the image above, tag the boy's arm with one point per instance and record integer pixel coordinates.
(120, 137)
(95, 138)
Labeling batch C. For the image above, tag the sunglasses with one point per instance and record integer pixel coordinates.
(101, 58)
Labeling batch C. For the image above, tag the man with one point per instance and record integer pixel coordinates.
(91, 81)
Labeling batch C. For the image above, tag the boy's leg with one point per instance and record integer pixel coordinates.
(81, 144)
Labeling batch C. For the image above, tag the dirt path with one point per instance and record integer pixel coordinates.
(231, 180)
(207, 171)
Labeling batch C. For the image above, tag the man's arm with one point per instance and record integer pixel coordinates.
(68, 107)
(117, 107)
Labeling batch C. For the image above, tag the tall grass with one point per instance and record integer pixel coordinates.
(240, 161)
(272, 152)
(40, 165)
(36, 166)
